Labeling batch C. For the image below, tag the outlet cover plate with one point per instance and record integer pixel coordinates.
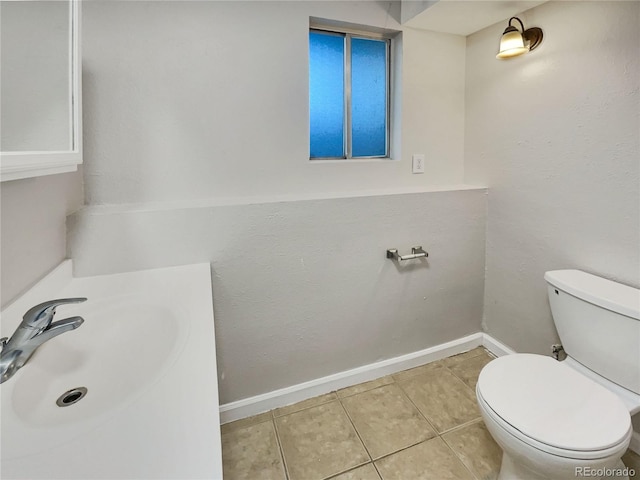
(418, 163)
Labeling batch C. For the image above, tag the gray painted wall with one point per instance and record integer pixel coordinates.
(206, 103)
(302, 289)
(556, 137)
(33, 233)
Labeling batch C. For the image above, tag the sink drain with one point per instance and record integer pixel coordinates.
(71, 396)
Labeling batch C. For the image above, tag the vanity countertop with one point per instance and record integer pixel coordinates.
(145, 353)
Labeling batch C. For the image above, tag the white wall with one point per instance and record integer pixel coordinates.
(411, 8)
(34, 86)
(191, 100)
(34, 116)
(33, 233)
(555, 135)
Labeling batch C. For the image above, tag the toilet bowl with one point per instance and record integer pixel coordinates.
(551, 421)
(565, 420)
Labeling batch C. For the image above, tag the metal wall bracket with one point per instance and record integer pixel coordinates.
(558, 352)
(416, 252)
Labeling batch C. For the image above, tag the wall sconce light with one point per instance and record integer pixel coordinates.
(515, 42)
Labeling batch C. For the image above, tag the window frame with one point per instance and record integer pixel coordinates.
(348, 34)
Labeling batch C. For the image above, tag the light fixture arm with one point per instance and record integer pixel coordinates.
(519, 21)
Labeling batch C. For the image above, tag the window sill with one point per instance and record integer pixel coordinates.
(354, 160)
(256, 200)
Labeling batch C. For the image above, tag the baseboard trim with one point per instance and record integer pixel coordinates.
(635, 443)
(496, 347)
(247, 407)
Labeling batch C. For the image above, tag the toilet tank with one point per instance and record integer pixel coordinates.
(598, 322)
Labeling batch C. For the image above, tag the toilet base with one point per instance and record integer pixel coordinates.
(511, 470)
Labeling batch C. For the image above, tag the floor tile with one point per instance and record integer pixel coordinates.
(319, 442)
(246, 422)
(461, 357)
(475, 446)
(311, 402)
(469, 369)
(412, 372)
(252, 452)
(365, 472)
(632, 460)
(386, 420)
(430, 460)
(363, 387)
(443, 398)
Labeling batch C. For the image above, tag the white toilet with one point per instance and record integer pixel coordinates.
(570, 419)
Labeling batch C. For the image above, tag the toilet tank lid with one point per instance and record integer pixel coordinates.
(605, 293)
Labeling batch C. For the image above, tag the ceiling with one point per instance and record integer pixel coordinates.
(464, 17)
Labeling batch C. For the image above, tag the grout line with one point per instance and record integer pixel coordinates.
(454, 374)
(334, 475)
(475, 400)
(403, 393)
(400, 449)
(284, 463)
(462, 425)
(405, 448)
(460, 459)
(230, 428)
(305, 408)
(490, 353)
(355, 429)
(459, 362)
(409, 377)
(350, 469)
(465, 383)
(462, 381)
(366, 391)
(435, 430)
(274, 418)
(427, 419)
(376, 469)
(369, 389)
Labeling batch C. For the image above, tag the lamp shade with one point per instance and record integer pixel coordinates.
(511, 44)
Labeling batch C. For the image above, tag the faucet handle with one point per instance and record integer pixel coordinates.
(41, 315)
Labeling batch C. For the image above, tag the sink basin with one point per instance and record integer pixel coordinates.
(147, 339)
(98, 356)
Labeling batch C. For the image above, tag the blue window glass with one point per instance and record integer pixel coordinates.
(348, 95)
(368, 97)
(326, 95)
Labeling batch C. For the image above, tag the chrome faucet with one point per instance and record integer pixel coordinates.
(37, 327)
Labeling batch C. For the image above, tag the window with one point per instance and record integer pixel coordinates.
(348, 95)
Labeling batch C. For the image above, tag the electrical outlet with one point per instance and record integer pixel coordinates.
(418, 163)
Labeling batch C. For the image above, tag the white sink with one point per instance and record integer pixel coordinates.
(145, 354)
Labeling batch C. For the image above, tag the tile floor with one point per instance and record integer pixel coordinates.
(422, 423)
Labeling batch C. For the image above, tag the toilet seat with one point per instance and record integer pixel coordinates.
(552, 407)
(548, 449)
